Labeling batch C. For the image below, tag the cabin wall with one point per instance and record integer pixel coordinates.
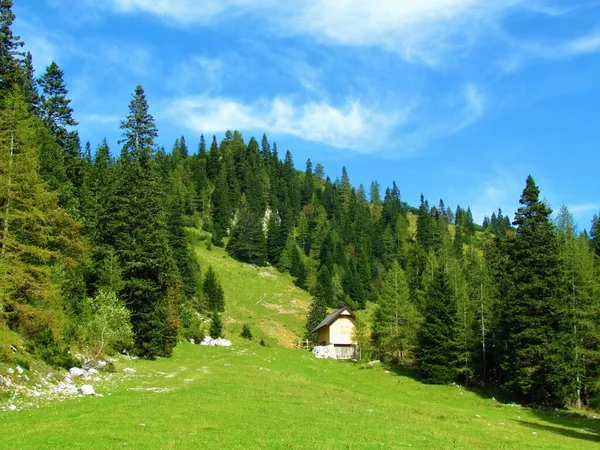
(341, 330)
(323, 338)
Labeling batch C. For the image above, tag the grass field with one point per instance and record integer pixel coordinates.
(256, 397)
(261, 296)
(249, 396)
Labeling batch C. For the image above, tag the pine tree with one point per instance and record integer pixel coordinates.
(10, 45)
(246, 333)
(538, 322)
(396, 319)
(316, 313)
(213, 292)
(247, 241)
(55, 109)
(151, 283)
(438, 353)
(216, 326)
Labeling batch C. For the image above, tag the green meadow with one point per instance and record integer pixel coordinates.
(262, 397)
(250, 396)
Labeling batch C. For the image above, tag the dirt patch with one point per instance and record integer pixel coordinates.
(277, 331)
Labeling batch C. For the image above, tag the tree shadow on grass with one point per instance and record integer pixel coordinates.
(583, 434)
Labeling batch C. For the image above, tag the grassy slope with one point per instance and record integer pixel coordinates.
(257, 397)
(249, 396)
(261, 296)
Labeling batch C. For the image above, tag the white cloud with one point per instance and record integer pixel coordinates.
(424, 31)
(584, 208)
(350, 126)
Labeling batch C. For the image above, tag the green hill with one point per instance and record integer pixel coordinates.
(261, 296)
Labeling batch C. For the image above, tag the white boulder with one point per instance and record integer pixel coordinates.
(129, 370)
(219, 342)
(76, 372)
(92, 371)
(87, 389)
(19, 370)
(324, 351)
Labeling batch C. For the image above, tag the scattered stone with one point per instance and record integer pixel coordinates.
(372, 363)
(87, 389)
(10, 370)
(77, 372)
(14, 349)
(324, 351)
(99, 395)
(533, 432)
(101, 364)
(20, 370)
(11, 407)
(219, 342)
(192, 341)
(92, 371)
(129, 370)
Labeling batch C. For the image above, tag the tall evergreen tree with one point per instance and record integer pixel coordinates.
(438, 353)
(213, 292)
(247, 241)
(539, 363)
(151, 285)
(10, 49)
(396, 319)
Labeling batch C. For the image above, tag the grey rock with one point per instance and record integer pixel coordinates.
(20, 370)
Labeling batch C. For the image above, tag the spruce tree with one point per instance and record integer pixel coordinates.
(247, 241)
(151, 283)
(316, 313)
(437, 355)
(10, 49)
(216, 326)
(213, 292)
(539, 362)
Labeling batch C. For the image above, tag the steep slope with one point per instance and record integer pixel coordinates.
(262, 297)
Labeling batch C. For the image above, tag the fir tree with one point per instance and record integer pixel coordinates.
(246, 333)
(316, 313)
(538, 323)
(151, 285)
(438, 354)
(216, 326)
(247, 241)
(213, 292)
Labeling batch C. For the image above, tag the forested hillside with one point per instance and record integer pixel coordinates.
(88, 231)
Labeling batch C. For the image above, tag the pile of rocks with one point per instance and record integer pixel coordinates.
(32, 388)
(219, 342)
(324, 351)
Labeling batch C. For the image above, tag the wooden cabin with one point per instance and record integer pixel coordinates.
(337, 329)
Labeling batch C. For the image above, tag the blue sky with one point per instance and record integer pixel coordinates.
(458, 99)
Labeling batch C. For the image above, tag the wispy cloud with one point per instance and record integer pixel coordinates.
(350, 126)
(422, 31)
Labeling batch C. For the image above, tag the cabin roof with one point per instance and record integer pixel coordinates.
(331, 317)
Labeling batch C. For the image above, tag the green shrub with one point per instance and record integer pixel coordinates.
(53, 353)
(246, 333)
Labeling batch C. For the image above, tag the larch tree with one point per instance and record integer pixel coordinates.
(397, 320)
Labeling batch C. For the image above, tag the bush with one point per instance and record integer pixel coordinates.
(53, 353)
(246, 333)
(108, 328)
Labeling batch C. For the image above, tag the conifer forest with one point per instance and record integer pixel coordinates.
(90, 231)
